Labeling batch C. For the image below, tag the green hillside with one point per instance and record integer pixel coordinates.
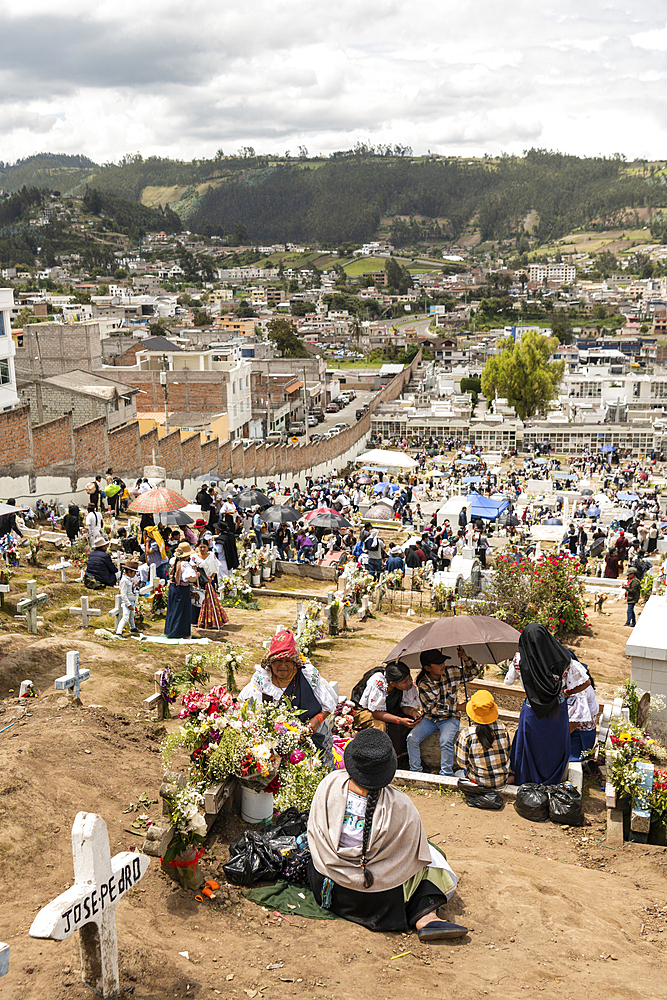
(55, 171)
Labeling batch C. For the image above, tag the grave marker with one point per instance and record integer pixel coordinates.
(89, 907)
(27, 607)
(4, 958)
(62, 566)
(85, 611)
(73, 677)
(116, 612)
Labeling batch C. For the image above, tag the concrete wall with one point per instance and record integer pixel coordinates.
(48, 402)
(56, 348)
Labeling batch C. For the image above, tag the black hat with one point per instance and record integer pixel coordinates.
(433, 657)
(370, 759)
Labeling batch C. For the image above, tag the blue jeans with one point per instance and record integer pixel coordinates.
(448, 728)
(630, 619)
(258, 537)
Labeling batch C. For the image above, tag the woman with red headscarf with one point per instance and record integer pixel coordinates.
(283, 674)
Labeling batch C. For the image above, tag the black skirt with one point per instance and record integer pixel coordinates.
(379, 911)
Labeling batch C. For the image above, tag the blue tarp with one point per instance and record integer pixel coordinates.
(565, 475)
(471, 479)
(485, 507)
(627, 497)
(380, 487)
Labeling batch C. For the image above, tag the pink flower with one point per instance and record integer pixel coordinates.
(296, 756)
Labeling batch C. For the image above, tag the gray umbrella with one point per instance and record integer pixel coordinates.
(330, 521)
(252, 498)
(177, 517)
(280, 514)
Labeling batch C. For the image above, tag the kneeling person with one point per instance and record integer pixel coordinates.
(482, 751)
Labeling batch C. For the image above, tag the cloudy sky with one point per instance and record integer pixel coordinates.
(452, 76)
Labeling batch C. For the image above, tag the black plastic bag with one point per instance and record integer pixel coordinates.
(261, 855)
(532, 802)
(296, 868)
(489, 799)
(257, 862)
(565, 805)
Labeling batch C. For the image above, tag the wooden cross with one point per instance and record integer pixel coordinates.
(85, 611)
(28, 606)
(89, 907)
(73, 676)
(62, 566)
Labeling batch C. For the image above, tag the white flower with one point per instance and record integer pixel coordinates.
(198, 825)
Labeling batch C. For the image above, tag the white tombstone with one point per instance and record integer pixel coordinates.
(85, 611)
(62, 566)
(117, 611)
(25, 688)
(89, 907)
(27, 607)
(73, 676)
(4, 958)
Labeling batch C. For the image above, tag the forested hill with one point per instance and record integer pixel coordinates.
(52, 171)
(356, 195)
(545, 194)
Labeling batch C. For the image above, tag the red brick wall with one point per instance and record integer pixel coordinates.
(15, 436)
(125, 449)
(225, 459)
(148, 443)
(170, 452)
(52, 442)
(191, 454)
(209, 456)
(90, 452)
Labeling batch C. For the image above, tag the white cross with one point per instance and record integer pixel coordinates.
(117, 611)
(29, 605)
(84, 611)
(73, 676)
(89, 907)
(62, 566)
(152, 578)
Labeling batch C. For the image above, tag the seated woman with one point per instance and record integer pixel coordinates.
(482, 751)
(371, 862)
(283, 675)
(541, 745)
(387, 699)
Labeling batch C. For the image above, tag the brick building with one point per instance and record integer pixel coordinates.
(47, 349)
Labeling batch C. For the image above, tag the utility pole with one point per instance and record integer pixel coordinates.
(305, 405)
(163, 383)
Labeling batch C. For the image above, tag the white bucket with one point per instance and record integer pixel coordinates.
(256, 579)
(266, 572)
(256, 806)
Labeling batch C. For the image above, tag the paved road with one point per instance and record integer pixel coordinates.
(347, 415)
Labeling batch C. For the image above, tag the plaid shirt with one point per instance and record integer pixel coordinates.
(439, 697)
(489, 768)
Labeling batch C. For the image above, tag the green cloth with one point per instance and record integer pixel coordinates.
(282, 897)
(439, 877)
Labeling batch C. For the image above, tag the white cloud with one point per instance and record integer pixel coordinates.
(454, 76)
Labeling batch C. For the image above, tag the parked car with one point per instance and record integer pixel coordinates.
(332, 407)
(360, 412)
(312, 421)
(297, 428)
(341, 426)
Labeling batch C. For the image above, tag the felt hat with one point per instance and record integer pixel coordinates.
(200, 523)
(482, 709)
(370, 759)
(131, 564)
(184, 550)
(100, 543)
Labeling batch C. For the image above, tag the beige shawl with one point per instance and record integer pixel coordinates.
(397, 848)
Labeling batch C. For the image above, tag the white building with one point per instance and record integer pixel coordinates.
(564, 274)
(8, 394)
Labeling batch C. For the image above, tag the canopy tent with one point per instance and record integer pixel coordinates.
(485, 507)
(391, 459)
(627, 497)
(564, 475)
(471, 479)
(390, 487)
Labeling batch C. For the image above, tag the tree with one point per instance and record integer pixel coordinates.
(200, 318)
(281, 332)
(523, 374)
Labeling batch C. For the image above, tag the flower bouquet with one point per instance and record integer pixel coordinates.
(190, 829)
(159, 599)
(236, 592)
(342, 720)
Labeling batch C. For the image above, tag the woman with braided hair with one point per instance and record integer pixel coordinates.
(371, 862)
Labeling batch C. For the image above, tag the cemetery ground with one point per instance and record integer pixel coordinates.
(552, 911)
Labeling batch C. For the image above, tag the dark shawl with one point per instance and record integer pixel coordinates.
(543, 663)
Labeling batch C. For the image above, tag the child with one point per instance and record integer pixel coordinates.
(128, 597)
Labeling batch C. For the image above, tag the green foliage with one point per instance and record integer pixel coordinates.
(473, 384)
(399, 278)
(55, 171)
(548, 591)
(282, 333)
(523, 375)
(302, 308)
(128, 217)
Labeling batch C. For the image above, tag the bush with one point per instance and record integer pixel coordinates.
(548, 591)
